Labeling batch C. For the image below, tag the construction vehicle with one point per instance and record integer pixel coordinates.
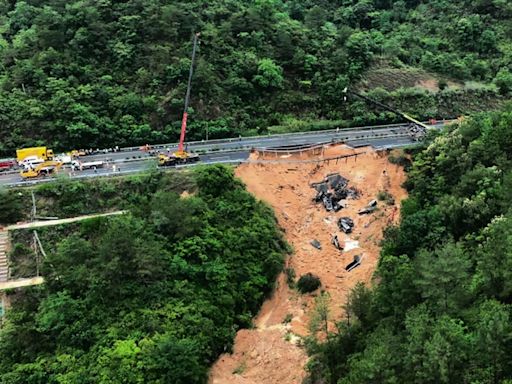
(40, 152)
(166, 160)
(77, 153)
(181, 156)
(416, 128)
(41, 170)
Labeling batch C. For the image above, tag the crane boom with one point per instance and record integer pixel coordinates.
(187, 96)
(387, 107)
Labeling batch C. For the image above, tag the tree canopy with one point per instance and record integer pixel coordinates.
(104, 73)
(150, 297)
(440, 312)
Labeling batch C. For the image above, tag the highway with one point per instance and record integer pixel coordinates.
(299, 138)
(123, 167)
(132, 160)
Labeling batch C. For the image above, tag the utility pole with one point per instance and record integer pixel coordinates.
(34, 235)
(34, 209)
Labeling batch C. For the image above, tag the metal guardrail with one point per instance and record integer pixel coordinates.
(335, 140)
(244, 146)
(249, 138)
(277, 135)
(207, 162)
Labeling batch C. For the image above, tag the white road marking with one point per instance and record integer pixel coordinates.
(220, 158)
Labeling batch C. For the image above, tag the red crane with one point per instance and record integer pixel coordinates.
(181, 153)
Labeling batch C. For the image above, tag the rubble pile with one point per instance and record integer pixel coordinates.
(333, 192)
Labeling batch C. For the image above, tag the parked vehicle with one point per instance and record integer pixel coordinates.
(87, 165)
(37, 152)
(6, 165)
(31, 161)
(45, 168)
(64, 159)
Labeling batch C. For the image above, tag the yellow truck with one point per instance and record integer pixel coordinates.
(39, 152)
(44, 169)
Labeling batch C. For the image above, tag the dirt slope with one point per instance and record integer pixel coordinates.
(269, 354)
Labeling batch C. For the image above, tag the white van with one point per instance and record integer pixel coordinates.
(31, 161)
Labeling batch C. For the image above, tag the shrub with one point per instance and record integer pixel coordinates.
(504, 81)
(290, 277)
(308, 283)
(400, 159)
(11, 206)
(386, 196)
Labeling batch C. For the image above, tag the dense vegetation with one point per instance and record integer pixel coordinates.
(151, 297)
(440, 310)
(85, 73)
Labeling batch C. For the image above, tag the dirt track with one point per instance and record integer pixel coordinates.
(269, 354)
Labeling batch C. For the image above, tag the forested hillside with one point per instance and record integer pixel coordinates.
(150, 297)
(440, 310)
(102, 73)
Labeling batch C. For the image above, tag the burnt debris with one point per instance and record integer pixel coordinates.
(332, 192)
(315, 243)
(372, 206)
(355, 263)
(336, 242)
(345, 224)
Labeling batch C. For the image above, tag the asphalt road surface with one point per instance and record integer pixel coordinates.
(123, 167)
(300, 138)
(132, 160)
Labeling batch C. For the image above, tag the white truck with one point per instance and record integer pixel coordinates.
(64, 159)
(75, 164)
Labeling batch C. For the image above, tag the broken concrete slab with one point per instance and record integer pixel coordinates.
(315, 243)
(321, 186)
(366, 210)
(350, 245)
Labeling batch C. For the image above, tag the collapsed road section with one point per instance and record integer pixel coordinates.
(301, 192)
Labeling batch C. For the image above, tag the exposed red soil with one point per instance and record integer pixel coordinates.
(271, 352)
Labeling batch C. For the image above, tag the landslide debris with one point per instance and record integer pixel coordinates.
(271, 353)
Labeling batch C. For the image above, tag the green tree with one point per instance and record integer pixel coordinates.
(11, 206)
(504, 81)
(493, 338)
(443, 278)
(270, 75)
